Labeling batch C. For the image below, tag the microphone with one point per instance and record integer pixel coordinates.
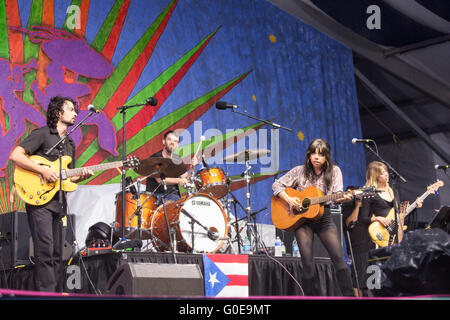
(223, 105)
(355, 140)
(152, 101)
(92, 109)
(213, 235)
(442, 167)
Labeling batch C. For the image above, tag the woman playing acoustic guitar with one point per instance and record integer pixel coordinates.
(320, 172)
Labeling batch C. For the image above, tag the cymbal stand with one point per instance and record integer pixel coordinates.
(236, 223)
(172, 237)
(252, 232)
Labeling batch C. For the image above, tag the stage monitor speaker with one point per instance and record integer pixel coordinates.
(14, 239)
(16, 245)
(156, 279)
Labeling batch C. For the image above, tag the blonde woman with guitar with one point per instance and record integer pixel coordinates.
(318, 173)
(381, 210)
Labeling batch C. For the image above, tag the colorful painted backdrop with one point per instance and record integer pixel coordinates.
(188, 54)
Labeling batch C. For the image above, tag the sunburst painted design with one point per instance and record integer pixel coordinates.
(143, 136)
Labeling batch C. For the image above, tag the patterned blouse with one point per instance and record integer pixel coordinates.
(295, 179)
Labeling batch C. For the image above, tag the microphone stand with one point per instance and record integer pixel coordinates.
(60, 146)
(123, 110)
(275, 125)
(247, 177)
(394, 175)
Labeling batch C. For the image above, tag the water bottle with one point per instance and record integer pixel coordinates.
(246, 248)
(278, 243)
(295, 251)
(283, 249)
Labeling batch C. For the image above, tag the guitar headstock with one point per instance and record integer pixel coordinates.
(366, 192)
(435, 186)
(132, 162)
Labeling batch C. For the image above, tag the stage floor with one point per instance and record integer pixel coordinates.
(267, 276)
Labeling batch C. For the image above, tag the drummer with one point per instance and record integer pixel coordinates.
(170, 144)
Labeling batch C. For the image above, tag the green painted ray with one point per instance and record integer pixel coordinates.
(152, 88)
(4, 44)
(105, 30)
(121, 70)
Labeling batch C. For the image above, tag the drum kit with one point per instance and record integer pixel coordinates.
(198, 222)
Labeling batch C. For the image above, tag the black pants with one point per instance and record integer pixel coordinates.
(361, 264)
(46, 228)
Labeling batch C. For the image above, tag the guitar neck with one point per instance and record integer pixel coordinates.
(413, 205)
(98, 167)
(327, 198)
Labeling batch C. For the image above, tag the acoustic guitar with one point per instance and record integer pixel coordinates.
(385, 236)
(311, 198)
(35, 190)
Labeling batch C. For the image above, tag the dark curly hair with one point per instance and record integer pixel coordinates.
(55, 108)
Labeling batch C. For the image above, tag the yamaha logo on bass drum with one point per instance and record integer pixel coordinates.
(201, 203)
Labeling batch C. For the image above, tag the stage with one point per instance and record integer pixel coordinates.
(266, 276)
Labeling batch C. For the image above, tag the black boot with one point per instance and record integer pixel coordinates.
(345, 282)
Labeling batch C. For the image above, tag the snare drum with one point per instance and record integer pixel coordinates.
(190, 235)
(213, 181)
(131, 222)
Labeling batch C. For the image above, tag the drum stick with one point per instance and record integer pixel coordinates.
(196, 152)
(199, 147)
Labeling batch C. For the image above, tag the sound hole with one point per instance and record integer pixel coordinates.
(304, 206)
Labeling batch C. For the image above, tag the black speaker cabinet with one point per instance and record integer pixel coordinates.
(16, 245)
(156, 279)
(14, 239)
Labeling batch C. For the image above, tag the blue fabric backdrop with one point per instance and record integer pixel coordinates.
(300, 77)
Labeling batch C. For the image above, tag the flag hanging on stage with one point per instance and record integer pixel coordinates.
(226, 275)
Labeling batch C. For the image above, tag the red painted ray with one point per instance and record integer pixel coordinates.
(15, 40)
(155, 144)
(84, 12)
(127, 85)
(48, 16)
(90, 135)
(113, 38)
(141, 118)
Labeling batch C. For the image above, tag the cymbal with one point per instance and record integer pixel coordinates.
(239, 178)
(156, 166)
(246, 155)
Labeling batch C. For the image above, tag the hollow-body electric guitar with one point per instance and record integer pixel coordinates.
(35, 190)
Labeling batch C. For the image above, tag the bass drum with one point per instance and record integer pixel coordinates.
(189, 217)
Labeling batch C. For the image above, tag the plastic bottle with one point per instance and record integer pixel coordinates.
(246, 247)
(295, 251)
(283, 249)
(278, 244)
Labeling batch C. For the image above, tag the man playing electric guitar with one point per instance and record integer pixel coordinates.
(45, 220)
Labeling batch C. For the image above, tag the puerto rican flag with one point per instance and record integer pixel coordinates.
(226, 275)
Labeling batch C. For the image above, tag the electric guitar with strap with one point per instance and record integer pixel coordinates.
(385, 236)
(35, 190)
